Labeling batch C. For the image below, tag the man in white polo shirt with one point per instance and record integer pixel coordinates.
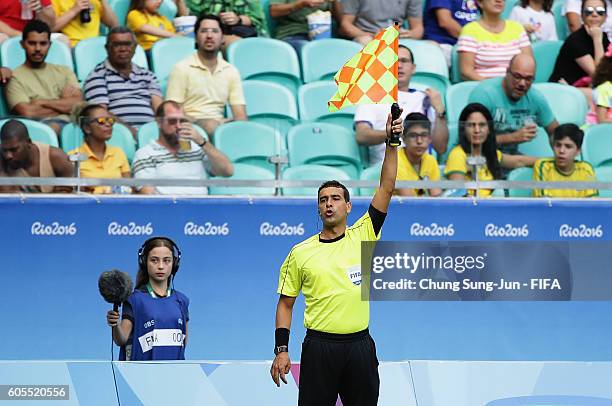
(180, 152)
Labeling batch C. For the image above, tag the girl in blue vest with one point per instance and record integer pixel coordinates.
(154, 320)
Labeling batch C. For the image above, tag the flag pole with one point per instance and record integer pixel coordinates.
(394, 140)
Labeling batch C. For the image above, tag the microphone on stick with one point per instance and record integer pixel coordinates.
(115, 287)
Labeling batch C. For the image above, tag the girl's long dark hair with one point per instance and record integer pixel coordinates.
(603, 71)
(489, 147)
(547, 6)
(142, 277)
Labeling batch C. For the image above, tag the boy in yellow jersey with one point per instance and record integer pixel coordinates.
(338, 354)
(567, 141)
(413, 161)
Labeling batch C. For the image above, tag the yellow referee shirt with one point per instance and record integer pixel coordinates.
(546, 170)
(329, 276)
(428, 170)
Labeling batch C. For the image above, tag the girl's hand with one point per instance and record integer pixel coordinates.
(112, 318)
(229, 18)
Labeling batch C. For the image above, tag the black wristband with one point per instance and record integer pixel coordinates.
(281, 337)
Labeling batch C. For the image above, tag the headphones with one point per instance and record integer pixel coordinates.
(144, 250)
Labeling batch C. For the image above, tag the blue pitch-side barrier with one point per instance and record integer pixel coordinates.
(55, 248)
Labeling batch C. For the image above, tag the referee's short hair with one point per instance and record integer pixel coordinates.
(335, 183)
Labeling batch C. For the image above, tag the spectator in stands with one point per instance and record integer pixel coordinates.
(131, 93)
(22, 157)
(567, 141)
(572, 10)
(362, 19)
(515, 105)
(536, 18)
(583, 49)
(179, 152)
(218, 82)
(38, 89)
(477, 139)
(149, 25)
(444, 19)
(602, 85)
(73, 23)
(241, 18)
(486, 46)
(14, 15)
(291, 18)
(103, 160)
(413, 161)
(370, 119)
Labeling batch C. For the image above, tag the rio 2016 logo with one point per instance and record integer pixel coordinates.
(55, 228)
(131, 228)
(582, 231)
(281, 229)
(207, 228)
(432, 230)
(507, 230)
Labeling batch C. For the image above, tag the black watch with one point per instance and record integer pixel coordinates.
(280, 348)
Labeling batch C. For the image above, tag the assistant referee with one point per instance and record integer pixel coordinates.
(338, 354)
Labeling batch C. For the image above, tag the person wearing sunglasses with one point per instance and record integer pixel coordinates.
(583, 49)
(103, 160)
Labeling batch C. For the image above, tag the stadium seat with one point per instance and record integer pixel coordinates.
(567, 103)
(271, 23)
(312, 101)
(90, 52)
(370, 173)
(539, 146)
(455, 72)
(520, 174)
(72, 137)
(424, 80)
(12, 54)
(249, 143)
(149, 132)
(266, 59)
(246, 172)
(122, 7)
(560, 20)
(320, 173)
(321, 59)
(168, 9)
(428, 57)
(4, 112)
(324, 144)
(597, 145)
(545, 54)
(166, 53)
(508, 8)
(604, 174)
(457, 97)
(270, 104)
(39, 132)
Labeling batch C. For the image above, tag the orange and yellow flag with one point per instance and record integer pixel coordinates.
(369, 77)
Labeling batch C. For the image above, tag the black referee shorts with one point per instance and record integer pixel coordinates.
(338, 364)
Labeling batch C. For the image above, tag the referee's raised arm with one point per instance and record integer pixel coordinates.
(388, 173)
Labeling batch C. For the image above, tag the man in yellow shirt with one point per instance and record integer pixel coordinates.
(338, 354)
(72, 18)
(413, 161)
(567, 141)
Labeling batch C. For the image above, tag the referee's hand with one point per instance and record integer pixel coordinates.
(280, 367)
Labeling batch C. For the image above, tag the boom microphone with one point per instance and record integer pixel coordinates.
(115, 287)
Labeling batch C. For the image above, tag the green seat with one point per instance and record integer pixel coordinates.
(246, 172)
(457, 97)
(149, 132)
(12, 54)
(312, 102)
(165, 53)
(90, 52)
(249, 143)
(324, 144)
(270, 104)
(371, 173)
(321, 59)
(270, 22)
(508, 8)
(4, 112)
(539, 146)
(560, 20)
(545, 54)
(597, 145)
(320, 173)
(72, 138)
(428, 57)
(39, 132)
(455, 72)
(266, 59)
(567, 103)
(520, 174)
(424, 80)
(604, 174)
(453, 140)
(168, 9)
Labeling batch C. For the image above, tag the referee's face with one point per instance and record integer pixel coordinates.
(333, 209)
